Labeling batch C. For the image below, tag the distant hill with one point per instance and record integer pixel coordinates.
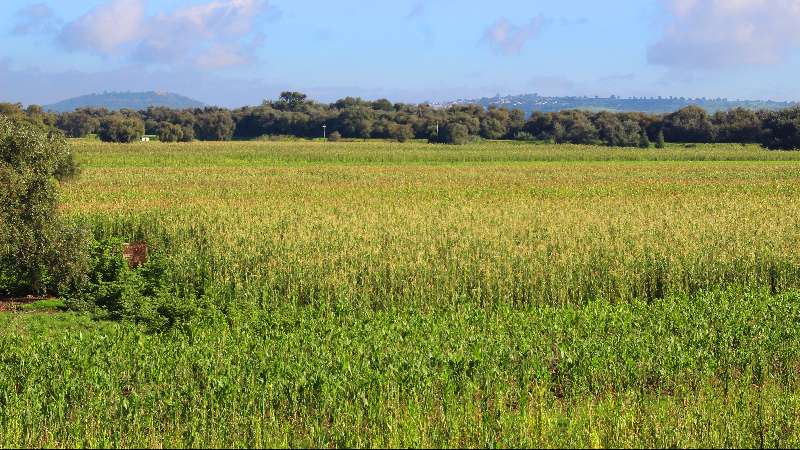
(534, 102)
(129, 100)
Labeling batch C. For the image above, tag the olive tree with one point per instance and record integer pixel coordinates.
(38, 252)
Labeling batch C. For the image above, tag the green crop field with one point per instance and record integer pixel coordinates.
(360, 294)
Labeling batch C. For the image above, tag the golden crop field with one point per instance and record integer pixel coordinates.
(364, 294)
(496, 223)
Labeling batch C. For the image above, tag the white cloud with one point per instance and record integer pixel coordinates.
(723, 33)
(106, 28)
(510, 39)
(215, 34)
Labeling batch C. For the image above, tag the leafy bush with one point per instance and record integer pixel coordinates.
(38, 252)
(145, 294)
(334, 136)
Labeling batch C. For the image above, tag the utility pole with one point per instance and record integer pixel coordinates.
(324, 131)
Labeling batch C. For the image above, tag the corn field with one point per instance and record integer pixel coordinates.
(375, 294)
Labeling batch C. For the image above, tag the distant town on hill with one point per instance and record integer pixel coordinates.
(125, 100)
(535, 102)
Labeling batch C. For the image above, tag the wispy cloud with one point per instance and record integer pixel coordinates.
(712, 34)
(36, 19)
(215, 34)
(510, 39)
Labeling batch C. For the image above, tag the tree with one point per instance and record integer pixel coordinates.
(38, 252)
(644, 141)
(660, 140)
(291, 101)
(187, 133)
(575, 128)
(77, 124)
(690, 124)
(401, 133)
(120, 128)
(214, 124)
(453, 133)
(169, 132)
(737, 125)
(782, 130)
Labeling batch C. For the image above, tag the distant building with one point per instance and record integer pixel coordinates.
(147, 137)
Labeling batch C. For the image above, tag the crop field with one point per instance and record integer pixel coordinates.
(361, 294)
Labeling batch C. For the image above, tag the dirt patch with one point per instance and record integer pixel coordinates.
(13, 304)
(135, 253)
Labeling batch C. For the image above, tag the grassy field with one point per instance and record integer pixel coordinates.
(381, 294)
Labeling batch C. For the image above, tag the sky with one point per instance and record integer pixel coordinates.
(239, 52)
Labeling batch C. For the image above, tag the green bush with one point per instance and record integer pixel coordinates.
(38, 252)
(145, 294)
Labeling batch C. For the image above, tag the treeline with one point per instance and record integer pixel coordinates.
(293, 114)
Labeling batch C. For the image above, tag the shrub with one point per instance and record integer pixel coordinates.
(38, 252)
(524, 136)
(334, 136)
(144, 295)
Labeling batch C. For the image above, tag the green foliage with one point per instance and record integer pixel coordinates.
(716, 370)
(301, 294)
(214, 124)
(690, 124)
(38, 252)
(168, 132)
(142, 295)
(401, 133)
(77, 124)
(660, 140)
(121, 128)
(644, 141)
(782, 130)
(524, 136)
(452, 133)
(334, 136)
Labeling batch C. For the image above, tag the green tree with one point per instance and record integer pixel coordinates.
(214, 125)
(120, 128)
(77, 124)
(453, 133)
(401, 133)
(782, 130)
(169, 132)
(644, 141)
(660, 141)
(690, 124)
(291, 101)
(38, 252)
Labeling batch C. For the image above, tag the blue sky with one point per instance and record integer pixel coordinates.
(236, 52)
